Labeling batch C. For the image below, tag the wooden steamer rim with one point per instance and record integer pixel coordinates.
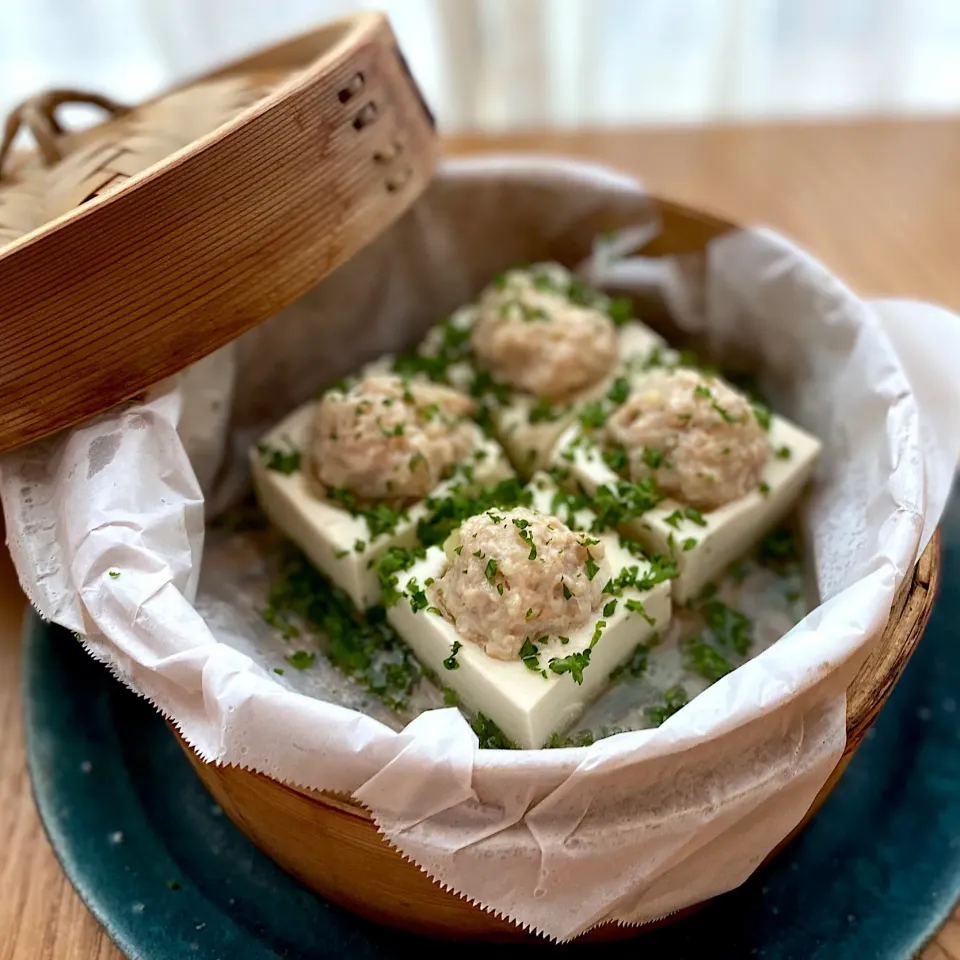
(171, 257)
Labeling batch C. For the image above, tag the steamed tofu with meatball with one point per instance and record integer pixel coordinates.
(686, 465)
(525, 616)
(352, 474)
(536, 345)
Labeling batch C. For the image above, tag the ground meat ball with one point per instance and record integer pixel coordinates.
(530, 335)
(389, 440)
(694, 434)
(498, 594)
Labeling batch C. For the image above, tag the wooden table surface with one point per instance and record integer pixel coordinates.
(877, 201)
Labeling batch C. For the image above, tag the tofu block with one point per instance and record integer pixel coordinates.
(703, 543)
(529, 702)
(335, 540)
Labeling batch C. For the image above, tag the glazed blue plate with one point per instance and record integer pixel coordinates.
(170, 877)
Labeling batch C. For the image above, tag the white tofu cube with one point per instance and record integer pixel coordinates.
(336, 541)
(527, 699)
(704, 543)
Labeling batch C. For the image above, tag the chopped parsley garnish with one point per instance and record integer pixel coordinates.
(543, 411)
(593, 415)
(491, 737)
(529, 615)
(429, 411)
(610, 608)
(282, 461)
(619, 390)
(620, 311)
(359, 546)
(447, 513)
(661, 568)
(731, 628)
(778, 548)
(764, 488)
(674, 698)
(340, 554)
(490, 571)
(278, 671)
(652, 458)
(558, 741)
(636, 666)
(113, 574)
(762, 414)
(301, 659)
(530, 655)
(574, 664)
(566, 592)
(396, 431)
(564, 640)
(363, 646)
(597, 633)
(451, 662)
(784, 453)
(674, 520)
(616, 458)
(702, 659)
(725, 414)
(450, 697)
(701, 391)
(593, 568)
(454, 346)
(418, 598)
(526, 536)
(380, 517)
(391, 562)
(616, 505)
(416, 460)
(636, 606)
(694, 515)
(689, 544)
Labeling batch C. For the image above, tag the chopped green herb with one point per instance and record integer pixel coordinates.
(278, 671)
(390, 563)
(661, 568)
(451, 662)
(490, 571)
(458, 549)
(416, 460)
(619, 390)
(558, 741)
(491, 737)
(529, 615)
(500, 589)
(448, 512)
(418, 598)
(764, 488)
(616, 458)
(593, 568)
(340, 554)
(359, 546)
(564, 640)
(724, 413)
(530, 655)
(652, 458)
(597, 633)
(695, 516)
(762, 414)
(113, 574)
(593, 415)
(616, 505)
(778, 548)
(435, 611)
(543, 411)
(636, 606)
(784, 453)
(737, 571)
(674, 520)
(380, 517)
(566, 592)
(363, 646)
(702, 659)
(731, 628)
(301, 659)
(282, 461)
(620, 311)
(610, 608)
(689, 544)
(674, 698)
(701, 391)
(395, 431)
(450, 698)
(636, 666)
(574, 664)
(526, 536)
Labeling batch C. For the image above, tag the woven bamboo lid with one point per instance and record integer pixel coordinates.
(134, 248)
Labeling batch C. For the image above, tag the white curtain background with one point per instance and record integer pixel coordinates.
(502, 64)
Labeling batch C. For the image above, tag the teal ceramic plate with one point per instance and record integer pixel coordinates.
(170, 878)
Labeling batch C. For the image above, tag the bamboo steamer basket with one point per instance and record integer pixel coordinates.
(133, 249)
(331, 844)
(144, 244)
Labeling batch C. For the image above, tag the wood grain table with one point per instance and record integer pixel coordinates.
(877, 201)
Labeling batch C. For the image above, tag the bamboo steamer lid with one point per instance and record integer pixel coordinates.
(134, 248)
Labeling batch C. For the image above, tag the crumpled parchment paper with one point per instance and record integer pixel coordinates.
(637, 825)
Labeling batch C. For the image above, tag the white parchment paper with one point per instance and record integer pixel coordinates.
(637, 825)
